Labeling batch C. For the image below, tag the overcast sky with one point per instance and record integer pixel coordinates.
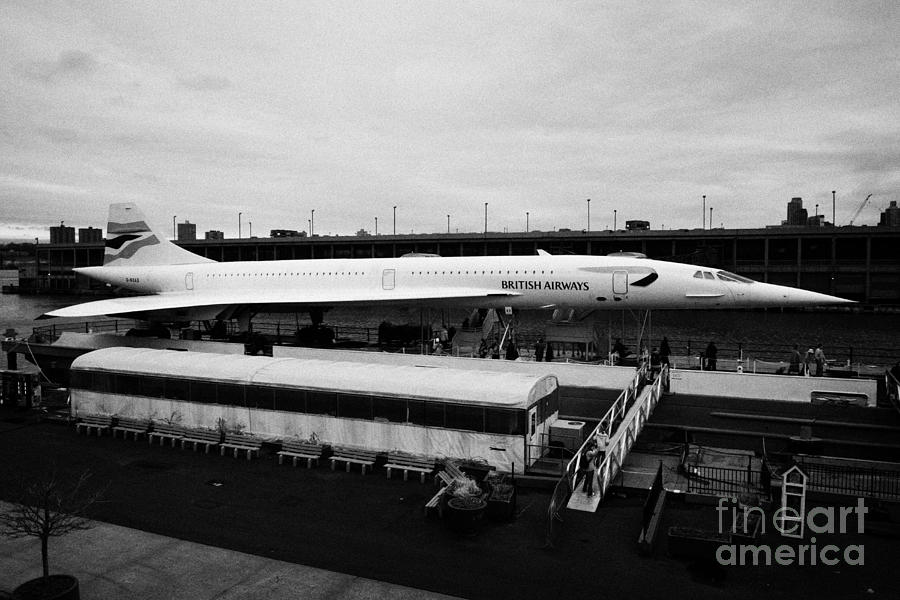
(204, 110)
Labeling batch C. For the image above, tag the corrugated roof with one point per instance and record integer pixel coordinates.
(481, 387)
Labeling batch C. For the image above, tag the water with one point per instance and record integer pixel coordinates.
(870, 338)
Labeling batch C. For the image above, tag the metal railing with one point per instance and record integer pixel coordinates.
(620, 426)
(104, 326)
(725, 481)
(632, 423)
(848, 480)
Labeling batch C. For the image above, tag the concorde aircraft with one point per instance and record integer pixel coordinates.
(178, 285)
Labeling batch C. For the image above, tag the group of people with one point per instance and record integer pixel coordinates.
(814, 359)
(492, 350)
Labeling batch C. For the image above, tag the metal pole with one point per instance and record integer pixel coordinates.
(833, 219)
(614, 219)
(174, 234)
(704, 211)
(710, 217)
(589, 214)
(395, 220)
(448, 223)
(239, 225)
(485, 218)
(526, 222)
(312, 221)
(376, 226)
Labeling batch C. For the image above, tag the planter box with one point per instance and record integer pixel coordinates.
(502, 503)
(59, 587)
(465, 515)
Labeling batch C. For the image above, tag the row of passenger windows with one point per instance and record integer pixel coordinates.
(284, 274)
(348, 406)
(498, 272)
(358, 273)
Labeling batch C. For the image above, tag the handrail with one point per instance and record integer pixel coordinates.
(618, 442)
(626, 435)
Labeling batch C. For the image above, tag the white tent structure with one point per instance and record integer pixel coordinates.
(441, 412)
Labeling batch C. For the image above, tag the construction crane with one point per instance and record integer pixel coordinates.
(859, 210)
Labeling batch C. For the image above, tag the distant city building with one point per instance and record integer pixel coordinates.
(815, 221)
(214, 234)
(89, 235)
(362, 233)
(187, 232)
(62, 234)
(279, 233)
(891, 216)
(637, 225)
(796, 214)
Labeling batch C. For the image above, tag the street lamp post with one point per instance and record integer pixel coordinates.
(395, 220)
(704, 211)
(526, 221)
(710, 217)
(589, 213)
(485, 218)
(448, 223)
(376, 226)
(312, 221)
(833, 219)
(174, 235)
(239, 225)
(614, 219)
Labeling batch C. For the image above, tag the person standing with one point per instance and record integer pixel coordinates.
(820, 360)
(619, 351)
(586, 467)
(664, 351)
(711, 354)
(539, 350)
(794, 360)
(548, 353)
(808, 362)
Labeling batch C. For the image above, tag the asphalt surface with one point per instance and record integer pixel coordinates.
(372, 527)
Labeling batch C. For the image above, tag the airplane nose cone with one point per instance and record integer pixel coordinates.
(779, 295)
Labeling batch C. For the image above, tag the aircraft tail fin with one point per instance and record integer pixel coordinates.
(131, 241)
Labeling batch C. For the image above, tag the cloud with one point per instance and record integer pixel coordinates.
(210, 109)
(71, 64)
(205, 83)
(17, 183)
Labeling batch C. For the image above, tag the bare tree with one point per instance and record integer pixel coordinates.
(49, 507)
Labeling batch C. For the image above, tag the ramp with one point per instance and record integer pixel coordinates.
(620, 428)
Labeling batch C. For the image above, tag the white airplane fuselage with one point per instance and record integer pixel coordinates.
(178, 285)
(592, 282)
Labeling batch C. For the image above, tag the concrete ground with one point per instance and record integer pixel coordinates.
(219, 527)
(118, 562)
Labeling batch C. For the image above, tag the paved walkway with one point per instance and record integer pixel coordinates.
(117, 562)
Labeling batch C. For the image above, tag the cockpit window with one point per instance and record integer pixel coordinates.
(726, 276)
(708, 275)
(698, 275)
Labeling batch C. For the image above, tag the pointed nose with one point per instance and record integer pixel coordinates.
(780, 295)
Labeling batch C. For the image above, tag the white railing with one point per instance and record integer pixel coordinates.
(626, 434)
(620, 427)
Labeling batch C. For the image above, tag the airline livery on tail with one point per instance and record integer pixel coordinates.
(181, 286)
